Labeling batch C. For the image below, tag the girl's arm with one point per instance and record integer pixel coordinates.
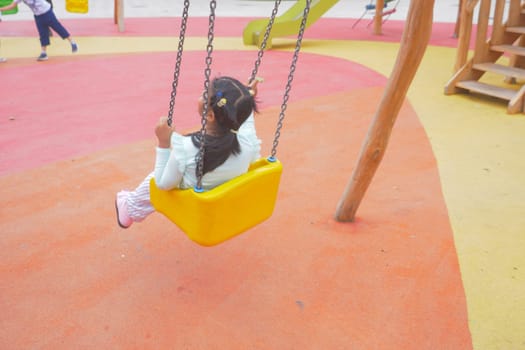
(253, 85)
(168, 170)
(163, 132)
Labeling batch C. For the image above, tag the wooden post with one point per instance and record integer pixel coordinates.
(498, 33)
(515, 11)
(482, 49)
(458, 19)
(498, 27)
(465, 31)
(118, 14)
(416, 35)
(378, 18)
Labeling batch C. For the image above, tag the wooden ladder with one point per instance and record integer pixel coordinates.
(501, 53)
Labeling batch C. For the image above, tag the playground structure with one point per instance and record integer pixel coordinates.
(72, 6)
(506, 39)
(288, 23)
(9, 12)
(77, 6)
(385, 11)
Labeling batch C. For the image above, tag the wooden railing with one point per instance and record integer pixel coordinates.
(503, 37)
(483, 39)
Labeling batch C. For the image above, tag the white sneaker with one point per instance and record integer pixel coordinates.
(123, 218)
(42, 57)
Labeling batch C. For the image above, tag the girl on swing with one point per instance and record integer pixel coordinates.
(231, 145)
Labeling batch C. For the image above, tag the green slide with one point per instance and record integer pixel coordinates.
(9, 12)
(286, 24)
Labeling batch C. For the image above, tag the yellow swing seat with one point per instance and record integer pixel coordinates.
(211, 217)
(77, 6)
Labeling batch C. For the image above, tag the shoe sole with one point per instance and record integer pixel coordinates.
(118, 221)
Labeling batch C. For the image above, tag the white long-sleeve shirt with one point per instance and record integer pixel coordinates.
(175, 167)
(38, 7)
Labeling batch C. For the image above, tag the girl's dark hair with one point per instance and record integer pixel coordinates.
(232, 104)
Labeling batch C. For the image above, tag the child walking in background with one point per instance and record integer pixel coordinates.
(45, 19)
(231, 145)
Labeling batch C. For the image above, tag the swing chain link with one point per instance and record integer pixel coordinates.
(264, 42)
(180, 50)
(207, 73)
(290, 78)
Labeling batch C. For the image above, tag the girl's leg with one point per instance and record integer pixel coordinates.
(138, 201)
(43, 31)
(52, 22)
(59, 28)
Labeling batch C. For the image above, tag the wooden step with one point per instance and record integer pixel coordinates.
(517, 30)
(512, 49)
(486, 89)
(506, 71)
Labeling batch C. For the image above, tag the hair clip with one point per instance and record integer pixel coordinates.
(234, 131)
(221, 102)
(219, 94)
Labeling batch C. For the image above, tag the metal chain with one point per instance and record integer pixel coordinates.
(180, 50)
(265, 40)
(207, 73)
(290, 78)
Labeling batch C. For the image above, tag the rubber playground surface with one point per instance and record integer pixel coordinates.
(434, 260)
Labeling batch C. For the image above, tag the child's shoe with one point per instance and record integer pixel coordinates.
(123, 218)
(74, 47)
(42, 57)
